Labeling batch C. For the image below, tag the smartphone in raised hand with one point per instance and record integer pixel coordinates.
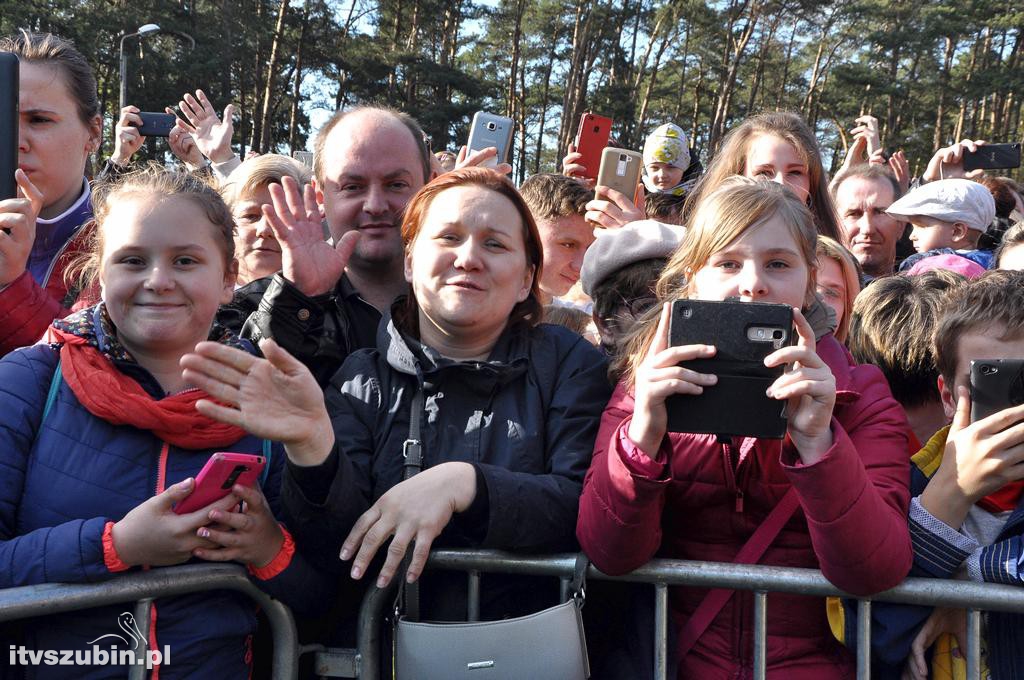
(996, 385)
(8, 124)
(591, 139)
(489, 130)
(620, 170)
(992, 157)
(743, 333)
(155, 124)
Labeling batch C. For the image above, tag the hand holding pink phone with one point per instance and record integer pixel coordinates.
(220, 473)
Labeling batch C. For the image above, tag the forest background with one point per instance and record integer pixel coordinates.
(932, 71)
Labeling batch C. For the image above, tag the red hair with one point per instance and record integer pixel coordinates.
(529, 310)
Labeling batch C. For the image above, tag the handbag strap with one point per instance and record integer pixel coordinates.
(412, 463)
(750, 553)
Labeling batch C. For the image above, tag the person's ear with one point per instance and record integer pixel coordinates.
(947, 397)
(959, 231)
(524, 292)
(95, 134)
(408, 265)
(319, 195)
(230, 278)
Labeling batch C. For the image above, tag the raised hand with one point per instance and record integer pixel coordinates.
(274, 398)
(867, 127)
(183, 144)
(611, 209)
(127, 139)
(307, 260)
(948, 162)
(212, 134)
(251, 536)
(480, 159)
(152, 533)
(658, 377)
(979, 458)
(810, 388)
(18, 228)
(414, 511)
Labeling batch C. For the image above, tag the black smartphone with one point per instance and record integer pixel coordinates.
(743, 333)
(8, 124)
(156, 124)
(993, 157)
(996, 384)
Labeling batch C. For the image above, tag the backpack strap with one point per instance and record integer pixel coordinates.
(51, 396)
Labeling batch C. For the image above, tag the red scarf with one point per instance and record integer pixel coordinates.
(1005, 499)
(110, 395)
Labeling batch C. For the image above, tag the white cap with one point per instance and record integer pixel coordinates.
(949, 200)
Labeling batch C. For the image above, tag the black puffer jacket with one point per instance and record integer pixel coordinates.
(526, 419)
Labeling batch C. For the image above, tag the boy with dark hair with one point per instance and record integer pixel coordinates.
(966, 516)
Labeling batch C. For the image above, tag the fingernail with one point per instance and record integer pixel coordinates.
(214, 515)
(204, 533)
(344, 554)
(356, 572)
(957, 654)
(381, 582)
(768, 392)
(410, 578)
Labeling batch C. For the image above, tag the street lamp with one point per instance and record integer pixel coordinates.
(144, 31)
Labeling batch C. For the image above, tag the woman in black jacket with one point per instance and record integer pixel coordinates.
(510, 408)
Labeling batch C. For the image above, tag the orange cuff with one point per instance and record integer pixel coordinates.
(110, 557)
(280, 561)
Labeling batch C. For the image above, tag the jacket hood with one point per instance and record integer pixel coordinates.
(407, 355)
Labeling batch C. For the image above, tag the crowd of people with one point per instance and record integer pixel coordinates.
(152, 316)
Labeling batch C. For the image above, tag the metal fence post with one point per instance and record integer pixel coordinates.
(863, 639)
(760, 634)
(660, 631)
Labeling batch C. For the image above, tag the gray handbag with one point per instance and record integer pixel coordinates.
(547, 645)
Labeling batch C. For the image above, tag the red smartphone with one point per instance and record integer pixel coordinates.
(591, 139)
(220, 473)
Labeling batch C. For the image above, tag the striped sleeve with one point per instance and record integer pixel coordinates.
(939, 550)
(998, 563)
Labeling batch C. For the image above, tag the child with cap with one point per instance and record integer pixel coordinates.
(948, 217)
(667, 161)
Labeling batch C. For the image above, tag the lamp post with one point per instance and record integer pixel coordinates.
(144, 30)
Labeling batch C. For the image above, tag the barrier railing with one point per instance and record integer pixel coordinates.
(365, 662)
(143, 587)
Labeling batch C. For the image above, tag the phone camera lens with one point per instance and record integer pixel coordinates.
(777, 335)
(988, 369)
(622, 158)
(490, 126)
(596, 129)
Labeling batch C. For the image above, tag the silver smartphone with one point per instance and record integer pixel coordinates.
(490, 130)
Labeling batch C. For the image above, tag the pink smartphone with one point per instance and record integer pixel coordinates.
(220, 473)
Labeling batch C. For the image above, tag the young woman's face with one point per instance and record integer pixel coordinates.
(765, 264)
(773, 158)
(663, 175)
(53, 142)
(163, 274)
(256, 248)
(468, 265)
(832, 286)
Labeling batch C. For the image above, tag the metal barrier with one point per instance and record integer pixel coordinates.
(143, 587)
(365, 662)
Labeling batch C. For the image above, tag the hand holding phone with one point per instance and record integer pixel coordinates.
(221, 472)
(251, 536)
(620, 170)
(490, 130)
(659, 378)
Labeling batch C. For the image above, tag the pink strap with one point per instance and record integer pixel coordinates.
(750, 553)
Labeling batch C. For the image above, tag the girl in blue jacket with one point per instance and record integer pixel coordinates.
(99, 438)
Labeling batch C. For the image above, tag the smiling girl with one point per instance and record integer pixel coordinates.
(99, 437)
(652, 492)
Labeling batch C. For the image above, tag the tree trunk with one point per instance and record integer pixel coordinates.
(256, 131)
(780, 96)
(678, 113)
(544, 110)
(275, 47)
(669, 35)
(293, 117)
(729, 85)
(947, 64)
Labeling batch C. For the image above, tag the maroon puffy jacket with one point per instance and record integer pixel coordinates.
(707, 499)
